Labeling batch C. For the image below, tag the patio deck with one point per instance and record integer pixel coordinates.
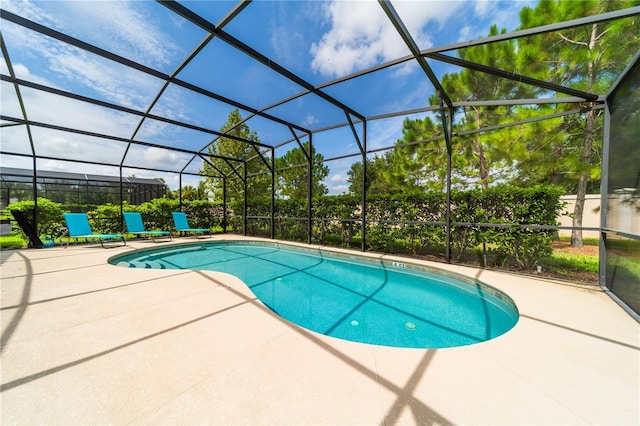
(85, 342)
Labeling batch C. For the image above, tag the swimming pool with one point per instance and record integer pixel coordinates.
(349, 297)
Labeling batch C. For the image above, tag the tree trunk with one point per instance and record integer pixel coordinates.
(589, 132)
(581, 192)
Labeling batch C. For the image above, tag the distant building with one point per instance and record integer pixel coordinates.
(76, 188)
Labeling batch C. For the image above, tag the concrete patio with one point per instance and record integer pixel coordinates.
(85, 342)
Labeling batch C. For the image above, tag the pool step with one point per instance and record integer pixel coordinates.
(143, 265)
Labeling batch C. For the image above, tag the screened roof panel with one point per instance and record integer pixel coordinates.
(330, 39)
(270, 132)
(465, 85)
(144, 32)
(184, 105)
(171, 135)
(212, 11)
(440, 23)
(194, 166)
(286, 33)
(319, 41)
(335, 142)
(44, 60)
(50, 165)
(15, 139)
(369, 93)
(578, 58)
(310, 112)
(9, 105)
(65, 145)
(384, 132)
(148, 157)
(18, 161)
(228, 72)
(61, 111)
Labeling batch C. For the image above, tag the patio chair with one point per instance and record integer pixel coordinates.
(134, 224)
(78, 227)
(182, 224)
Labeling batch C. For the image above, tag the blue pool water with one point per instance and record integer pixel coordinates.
(350, 297)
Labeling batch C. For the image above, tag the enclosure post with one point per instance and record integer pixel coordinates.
(34, 215)
(309, 189)
(273, 193)
(363, 241)
(446, 127)
(448, 215)
(244, 182)
(180, 190)
(224, 205)
(121, 200)
(604, 196)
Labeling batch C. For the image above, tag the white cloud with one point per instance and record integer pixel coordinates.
(119, 26)
(15, 139)
(338, 189)
(467, 32)
(61, 166)
(309, 120)
(99, 23)
(361, 35)
(384, 132)
(28, 10)
(507, 14)
(160, 157)
(482, 7)
(337, 178)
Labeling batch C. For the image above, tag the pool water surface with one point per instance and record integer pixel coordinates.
(352, 298)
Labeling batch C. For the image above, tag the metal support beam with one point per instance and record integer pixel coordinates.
(355, 133)
(512, 76)
(445, 116)
(245, 199)
(558, 26)
(224, 204)
(309, 190)
(273, 193)
(413, 47)
(180, 190)
(363, 242)
(16, 87)
(604, 194)
(307, 155)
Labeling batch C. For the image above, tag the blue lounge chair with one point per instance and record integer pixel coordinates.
(182, 224)
(78, 226)
(134, 224)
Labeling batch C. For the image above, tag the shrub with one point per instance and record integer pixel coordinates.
(50, 219)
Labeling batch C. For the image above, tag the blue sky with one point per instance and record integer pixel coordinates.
(319, 41)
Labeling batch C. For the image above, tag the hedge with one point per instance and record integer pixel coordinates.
(413, 224)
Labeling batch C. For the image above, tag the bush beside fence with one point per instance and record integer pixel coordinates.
(488, 224)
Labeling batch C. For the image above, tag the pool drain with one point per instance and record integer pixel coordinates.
(410, 326)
